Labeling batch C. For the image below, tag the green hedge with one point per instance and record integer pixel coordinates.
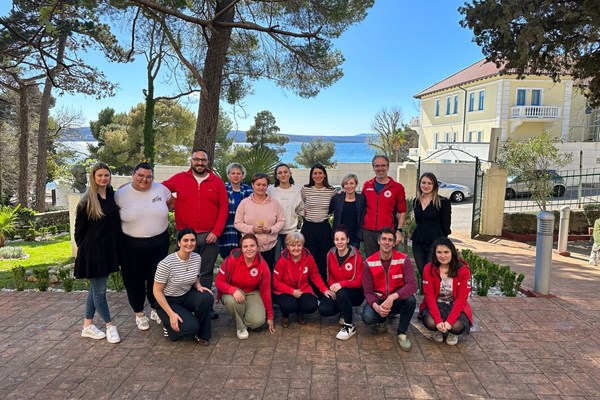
(526, 222)
(487, 274)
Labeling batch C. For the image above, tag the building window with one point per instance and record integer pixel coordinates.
(471, 101)
(447, 105)
(437, 108)
(521, 94)
(455, 111)
(469, 137)
(481, 99)
(479, 136)
(536, 97)
(436, 138)
(453, 137)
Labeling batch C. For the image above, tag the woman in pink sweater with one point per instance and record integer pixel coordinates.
(262, 215)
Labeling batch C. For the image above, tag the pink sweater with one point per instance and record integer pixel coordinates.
(269, 214)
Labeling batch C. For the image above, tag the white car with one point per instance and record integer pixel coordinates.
(453, 191)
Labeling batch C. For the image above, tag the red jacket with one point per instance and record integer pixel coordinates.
(348, 275)
(289, 275)
(461, 288)
(399, 279)
(234, 274)
(203, 207)
(383, 206)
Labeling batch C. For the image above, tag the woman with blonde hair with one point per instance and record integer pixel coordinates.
(432, 215)
(97, 234)
(348, 210)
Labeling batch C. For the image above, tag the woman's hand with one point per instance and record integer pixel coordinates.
(441, 327)
(201, 288)
(330, 294)
(257, 229)
(297, 293)
(239, 296)
(271, 325)
(335, 287)
(447, 326)
(174, 320)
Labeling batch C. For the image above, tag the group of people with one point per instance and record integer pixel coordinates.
(266, 260)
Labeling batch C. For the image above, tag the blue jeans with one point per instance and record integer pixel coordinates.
(96, 300)
(405, 308)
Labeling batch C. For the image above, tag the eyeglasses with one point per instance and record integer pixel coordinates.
(199, 160)
(379, 165)
(148, 177)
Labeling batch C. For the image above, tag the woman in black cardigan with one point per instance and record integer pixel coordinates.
(348, 208)
(432, 215)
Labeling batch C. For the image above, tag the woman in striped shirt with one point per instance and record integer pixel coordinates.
(184, 304)
(316, 229)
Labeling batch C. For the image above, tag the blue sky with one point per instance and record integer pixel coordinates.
(401, 48)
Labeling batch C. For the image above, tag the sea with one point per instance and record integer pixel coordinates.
(344, 152)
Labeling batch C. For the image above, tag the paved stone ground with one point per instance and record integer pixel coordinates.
(520, 348)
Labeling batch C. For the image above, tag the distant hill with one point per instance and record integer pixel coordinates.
(240, 137)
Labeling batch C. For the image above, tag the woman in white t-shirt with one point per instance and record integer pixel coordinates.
(184, 304)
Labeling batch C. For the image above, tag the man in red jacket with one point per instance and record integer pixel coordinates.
(202, 205)
(389, 285)
(386, 204)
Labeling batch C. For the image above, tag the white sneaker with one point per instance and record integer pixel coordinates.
(154, 316)
(347, 331)
(112, 335)
(142, 323)
(242, 334)
(452, 339)
(437, 336)
(93, 332)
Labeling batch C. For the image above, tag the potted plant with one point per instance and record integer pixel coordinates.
(8, 217)
(592, 213)
(595, 254)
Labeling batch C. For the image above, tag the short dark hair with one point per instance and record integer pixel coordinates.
(341, 228)
(143, 165)
(376, 156)
(197, 149)
(386, 229)
(185, 231)
(249, 236)
(260, 175)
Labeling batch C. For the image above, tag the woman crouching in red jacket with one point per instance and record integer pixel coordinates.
(344, 277)
(294, 272)
(446, 287)
(244, 285)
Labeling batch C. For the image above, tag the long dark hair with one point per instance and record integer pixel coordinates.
(311, 181)
(276, 180)
(436, 197)
(454, 263)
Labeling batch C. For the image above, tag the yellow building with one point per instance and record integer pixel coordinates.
(478, 106)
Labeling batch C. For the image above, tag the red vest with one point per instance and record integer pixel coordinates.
(386, 283)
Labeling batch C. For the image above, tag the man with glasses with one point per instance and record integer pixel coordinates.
(144, 212)
(386, 205)
(201, 204)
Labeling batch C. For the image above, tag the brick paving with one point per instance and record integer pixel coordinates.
(520, 348)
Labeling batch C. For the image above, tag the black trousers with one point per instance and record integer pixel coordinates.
(139, 266)
(306, 304)
(318, 241)
(405, 308)
(345, 299)
(422, 254)
(194, 308)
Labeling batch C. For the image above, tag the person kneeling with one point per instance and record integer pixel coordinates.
(244, 286)
(184, 304)
(446, 286)
(389, 285)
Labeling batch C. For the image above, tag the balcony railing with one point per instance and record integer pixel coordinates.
(551, 112)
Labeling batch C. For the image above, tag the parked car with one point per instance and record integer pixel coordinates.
(453, 191)
(518, 186)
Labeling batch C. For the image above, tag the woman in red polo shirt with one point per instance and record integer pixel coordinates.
(445, 309)
(244, 285)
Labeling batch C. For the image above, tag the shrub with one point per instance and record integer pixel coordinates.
(11, 252)
(591, 212)
(487, 274)
(65, 275)
(42, 276)
(8, 219)
(597, 232)
(19, 277)
(115, 282)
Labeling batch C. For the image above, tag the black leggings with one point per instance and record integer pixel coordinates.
(317, 236)
(345, 299)
(305, 304)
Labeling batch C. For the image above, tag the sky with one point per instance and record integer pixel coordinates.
(399, 49)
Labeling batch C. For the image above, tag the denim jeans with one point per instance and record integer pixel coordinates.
(405, 308)
(96, 300)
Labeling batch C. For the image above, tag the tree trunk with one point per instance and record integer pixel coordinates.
(205, 135)
(149, 132)
(22, 191)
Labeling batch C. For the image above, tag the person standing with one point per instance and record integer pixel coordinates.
(236, 192)
(389, 286)
(386, 204)
(97, 235)
(288, 195)
(201, 204)
(316, 196)
(261, 215)
(348, 209)
(446, 288)
(432, 215)
(144, 219)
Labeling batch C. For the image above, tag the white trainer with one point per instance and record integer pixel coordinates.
(452, 339)
(112, 335)
(142, 323)
(242, 334)
(154, 316)
(347, 331)
(437, 336)
(92, 331)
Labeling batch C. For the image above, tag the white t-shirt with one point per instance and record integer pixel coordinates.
(178, 275)
(143, 214)
(291, 204)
